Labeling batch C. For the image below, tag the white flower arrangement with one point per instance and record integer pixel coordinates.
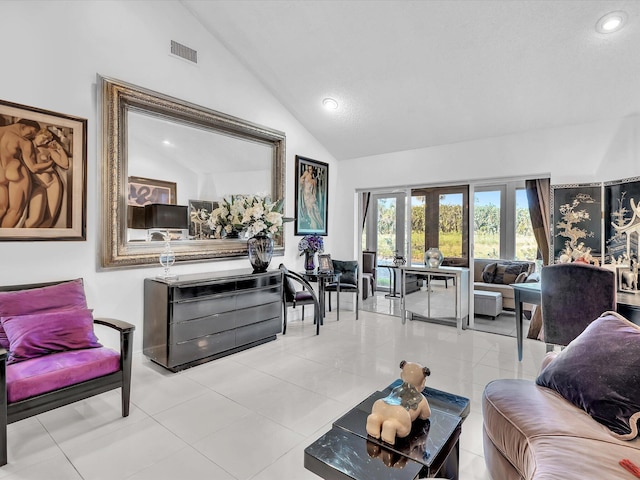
(251, 214)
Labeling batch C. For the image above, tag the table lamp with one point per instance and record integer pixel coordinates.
(160, 216)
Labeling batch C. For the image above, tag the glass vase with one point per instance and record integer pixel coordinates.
(260, 248)
(309, 262)
(433, 258)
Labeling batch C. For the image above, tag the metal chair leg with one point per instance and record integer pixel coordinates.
(284, 319)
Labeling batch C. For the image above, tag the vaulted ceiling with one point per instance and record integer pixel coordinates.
(412, 74)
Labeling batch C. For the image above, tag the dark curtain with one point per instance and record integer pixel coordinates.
(538, 194)
(366, 198)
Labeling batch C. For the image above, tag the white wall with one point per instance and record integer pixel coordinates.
(53, 51)
(593, 152)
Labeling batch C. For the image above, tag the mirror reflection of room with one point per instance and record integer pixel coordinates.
(202, 168)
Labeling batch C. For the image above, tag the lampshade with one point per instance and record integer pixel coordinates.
(158, 215)
(135, 217)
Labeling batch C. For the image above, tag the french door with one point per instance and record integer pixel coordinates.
(385, 231)
(440, 219)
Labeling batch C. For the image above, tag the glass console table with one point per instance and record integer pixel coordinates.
(414, 303)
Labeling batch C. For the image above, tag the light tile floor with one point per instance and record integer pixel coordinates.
(250, 415)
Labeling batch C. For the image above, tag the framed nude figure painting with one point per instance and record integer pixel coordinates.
(43, 174)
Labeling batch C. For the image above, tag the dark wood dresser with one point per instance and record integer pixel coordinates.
(192, 319)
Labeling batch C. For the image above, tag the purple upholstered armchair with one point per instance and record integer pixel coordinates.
(573, 296)
(50, 355)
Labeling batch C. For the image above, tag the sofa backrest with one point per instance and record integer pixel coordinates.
(479, 265)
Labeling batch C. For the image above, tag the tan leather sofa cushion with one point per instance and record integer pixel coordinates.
(545, 437)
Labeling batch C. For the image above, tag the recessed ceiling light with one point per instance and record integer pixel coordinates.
(330, 104)
(167, 143)
(611, 22)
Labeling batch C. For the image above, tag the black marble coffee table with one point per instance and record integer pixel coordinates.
(431, 449)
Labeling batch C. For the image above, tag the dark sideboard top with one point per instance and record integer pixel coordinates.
(207, 277)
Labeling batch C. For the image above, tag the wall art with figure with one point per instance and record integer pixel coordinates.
(576, 220)
(145, 191)
(622, 221)
(311, 196)
(43, 165)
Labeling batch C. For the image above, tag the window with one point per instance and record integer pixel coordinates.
(440, 218)
(526, 245)
(502, 224)
(486, 223)
(417, 229)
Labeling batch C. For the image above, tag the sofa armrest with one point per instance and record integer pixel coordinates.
(548, 358)
(533, 277)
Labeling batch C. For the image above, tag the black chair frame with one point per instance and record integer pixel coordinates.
(317, 317)
(13, 412)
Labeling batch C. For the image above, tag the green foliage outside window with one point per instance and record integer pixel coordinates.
(486, 231)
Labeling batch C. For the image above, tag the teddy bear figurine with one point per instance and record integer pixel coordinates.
(394, 414)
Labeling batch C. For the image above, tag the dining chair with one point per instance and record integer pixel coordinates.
(369, 264)
(347, 282)
(572, 296)
(291, 297)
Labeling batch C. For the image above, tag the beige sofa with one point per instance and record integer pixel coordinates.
(533, 433)
(506, 290)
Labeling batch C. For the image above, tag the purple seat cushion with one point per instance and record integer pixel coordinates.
(61, 296)
(598, 372)
(45, 333)
(303, 295)
(51, 372)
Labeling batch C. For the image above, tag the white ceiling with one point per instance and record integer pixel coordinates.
(412, 74)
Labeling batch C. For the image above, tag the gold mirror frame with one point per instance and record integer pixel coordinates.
(118, 99)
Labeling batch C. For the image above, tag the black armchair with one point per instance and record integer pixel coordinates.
(348, 281)
(292, 297)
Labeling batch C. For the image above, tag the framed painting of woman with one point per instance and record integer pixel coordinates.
(43, 179)
(311, 196)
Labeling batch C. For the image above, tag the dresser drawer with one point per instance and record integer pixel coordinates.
(205, 290)
(258, 282)
(186, 352)
(203, 326)
(198, 308)
(250, 315)
(258, 331)
(258, 297)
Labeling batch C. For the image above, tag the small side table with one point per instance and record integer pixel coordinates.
(529, 293)
(392, 275)
(322, 278)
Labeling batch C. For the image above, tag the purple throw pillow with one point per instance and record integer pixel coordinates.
(40, 334)
(61, 296)
(598, 372)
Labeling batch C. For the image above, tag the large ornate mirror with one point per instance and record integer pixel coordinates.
(160, 149)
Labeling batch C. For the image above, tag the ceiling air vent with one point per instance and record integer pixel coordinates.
(183, 51)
